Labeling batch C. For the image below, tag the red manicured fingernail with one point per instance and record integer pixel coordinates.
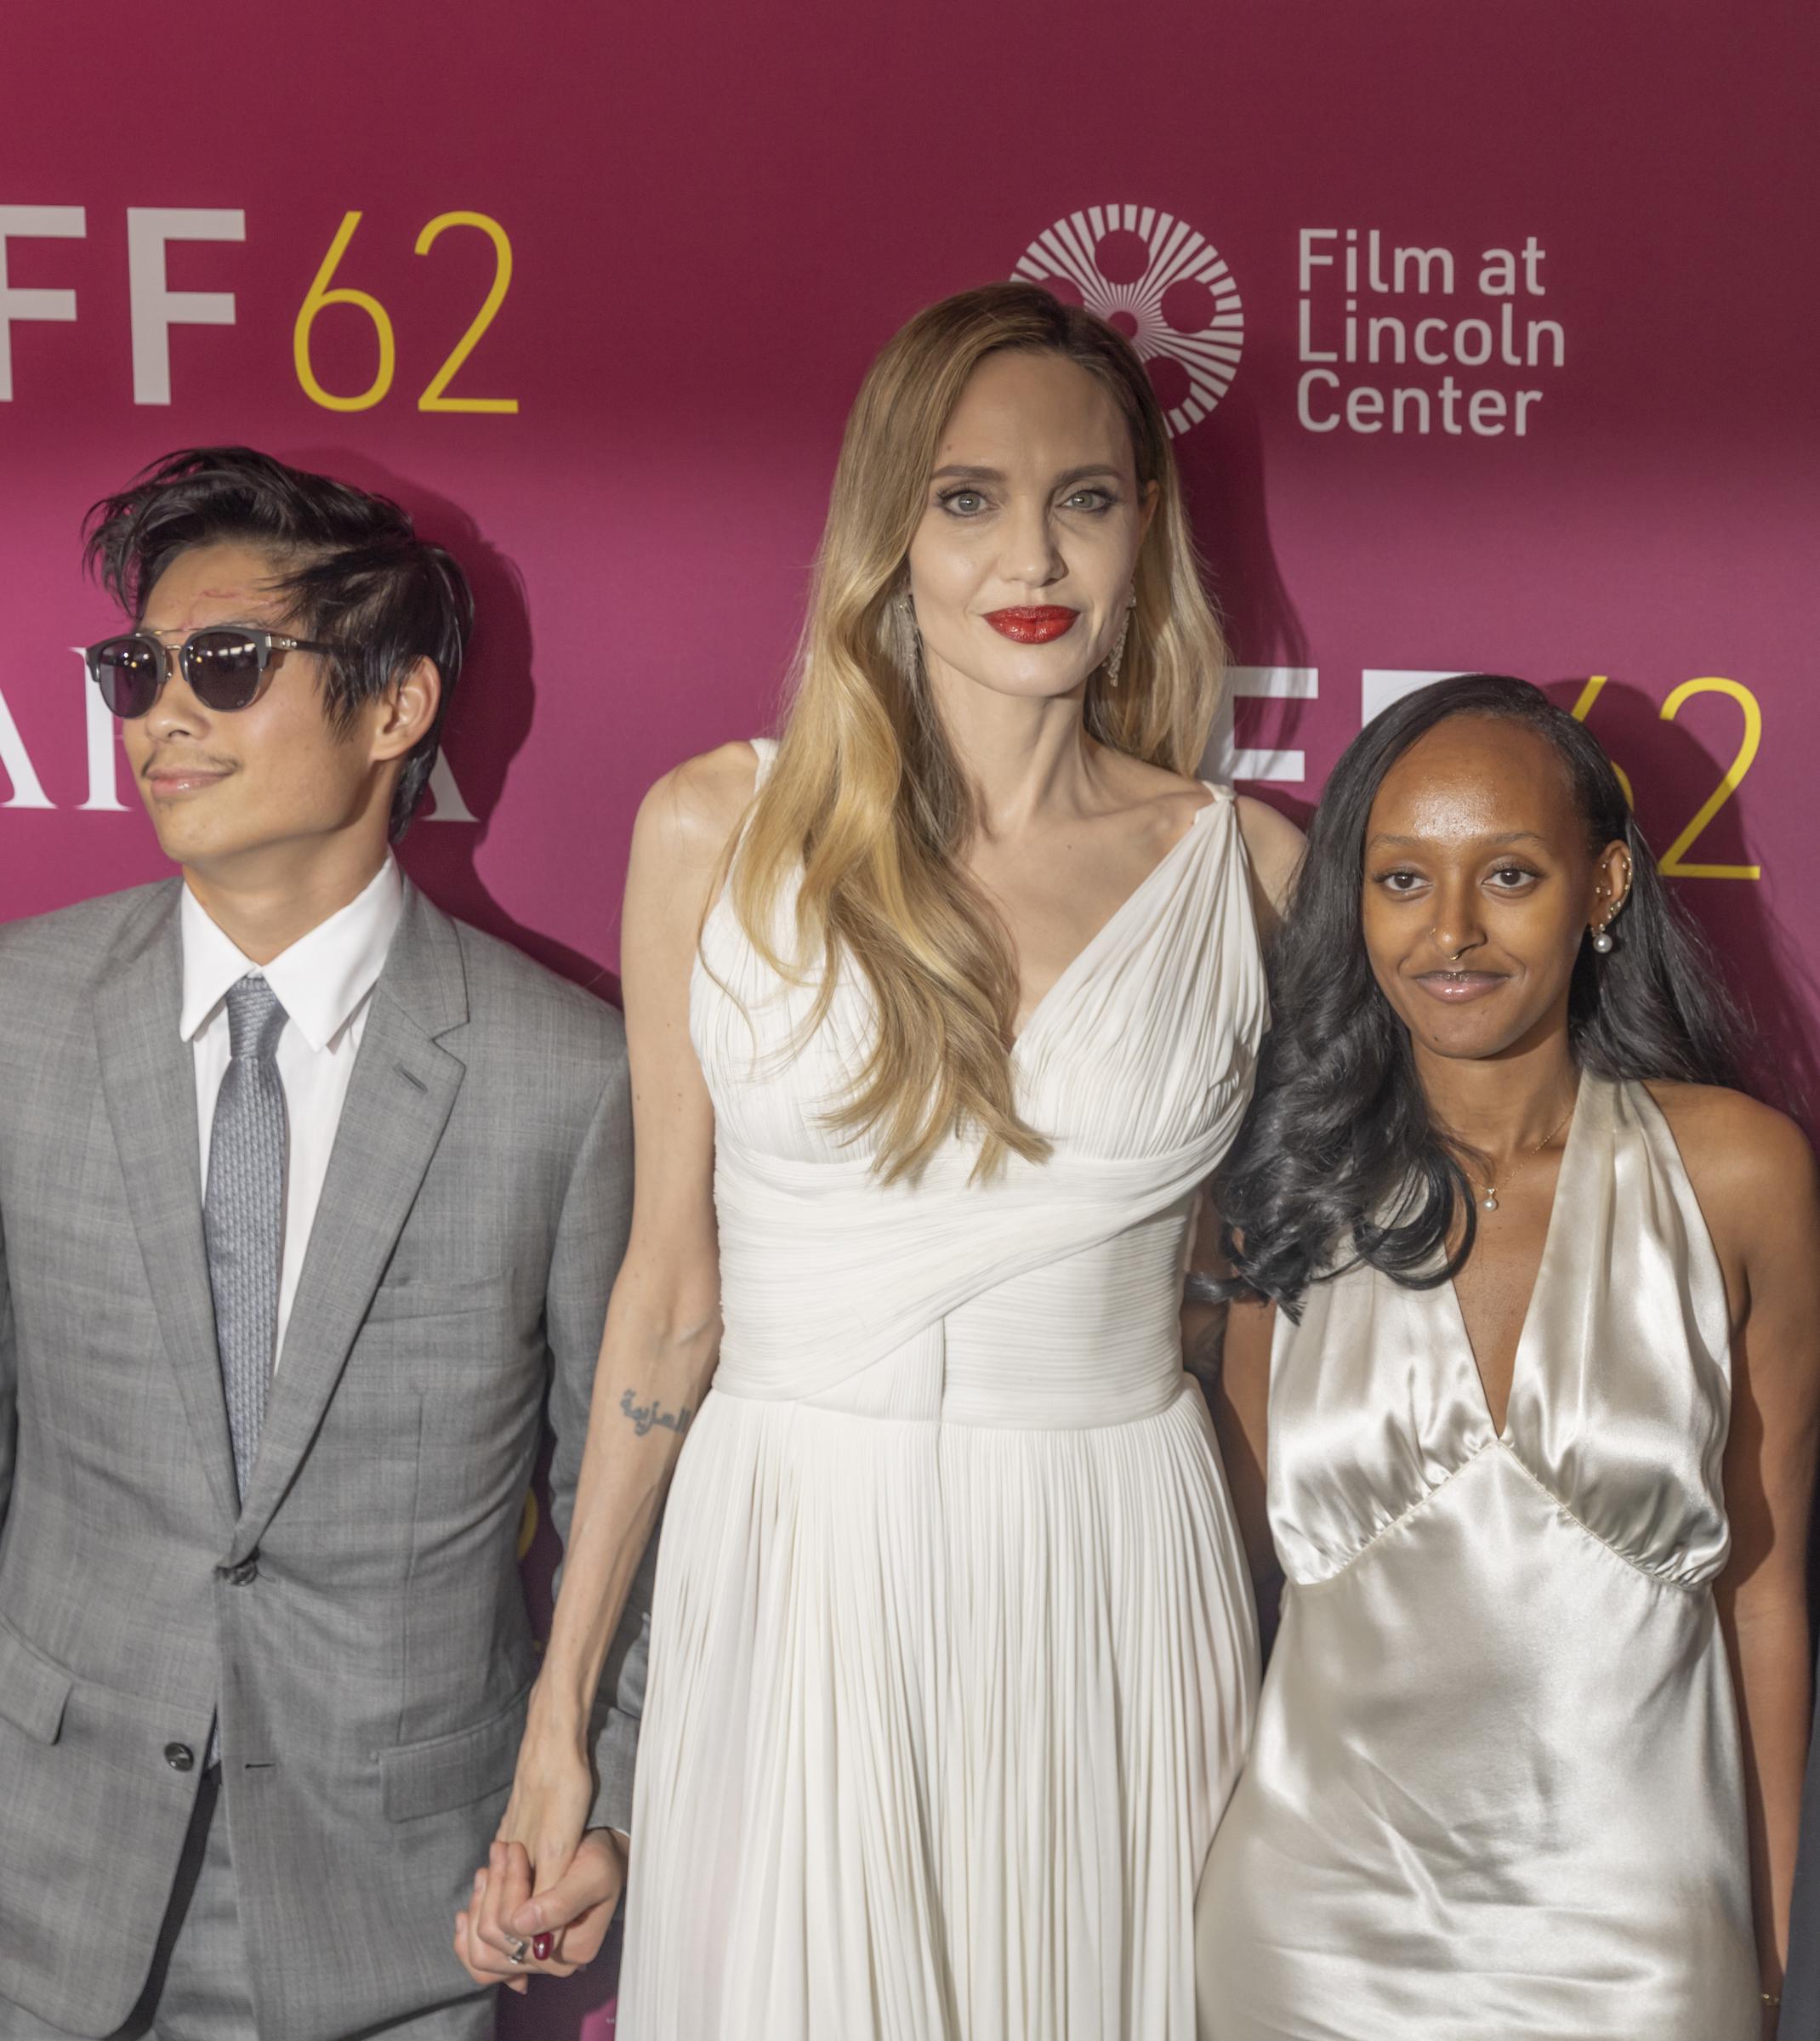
(540, 1946)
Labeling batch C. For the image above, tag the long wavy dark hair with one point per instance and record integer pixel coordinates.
(1339, 1160)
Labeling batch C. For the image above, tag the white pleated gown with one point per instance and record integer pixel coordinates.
(954, 1657)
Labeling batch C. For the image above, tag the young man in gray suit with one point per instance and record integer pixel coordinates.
(308, 1194)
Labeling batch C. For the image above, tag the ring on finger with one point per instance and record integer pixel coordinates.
(519, 1951)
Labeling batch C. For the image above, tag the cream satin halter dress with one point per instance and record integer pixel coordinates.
(953, 1654)
(1496, 1788)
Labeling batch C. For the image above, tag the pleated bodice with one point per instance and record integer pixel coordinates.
(1049, 1294)
(1496, 1785)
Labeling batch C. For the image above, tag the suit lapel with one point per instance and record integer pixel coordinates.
(148, 1081)
(399, 1100)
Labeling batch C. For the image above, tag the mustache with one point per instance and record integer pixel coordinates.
(170, 761)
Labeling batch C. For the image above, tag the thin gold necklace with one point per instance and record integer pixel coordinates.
(1489, 1202)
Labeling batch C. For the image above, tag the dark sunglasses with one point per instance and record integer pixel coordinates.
(225, 665)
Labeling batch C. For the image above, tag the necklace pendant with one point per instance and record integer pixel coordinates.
(1489, 1202)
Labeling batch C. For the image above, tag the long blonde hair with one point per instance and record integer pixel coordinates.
(867, 808)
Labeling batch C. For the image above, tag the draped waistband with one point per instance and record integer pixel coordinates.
(826, 1270)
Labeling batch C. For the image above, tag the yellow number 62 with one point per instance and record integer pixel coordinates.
(1674, 863)
(433, 398)
(320, 296)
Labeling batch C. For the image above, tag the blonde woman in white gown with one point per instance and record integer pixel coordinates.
(938, 1012)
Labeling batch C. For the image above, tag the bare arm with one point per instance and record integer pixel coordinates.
(663, 1320)
(1204, 1323)
(1227, 1347)
(1756, 1177)
(591, 1249)
(1274, 847)
(1240, 1403)
(1273, 856)
(1769, 1477)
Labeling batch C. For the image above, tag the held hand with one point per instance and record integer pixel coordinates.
(552, 1796)
(536, 1842)
(558, 1933)
(569, 1918)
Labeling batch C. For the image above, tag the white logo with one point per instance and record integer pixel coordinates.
(1363, 302)
(1166, 290)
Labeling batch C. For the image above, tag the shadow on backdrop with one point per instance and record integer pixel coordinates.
(1222, 472)
(486, 725)
(1673, 774)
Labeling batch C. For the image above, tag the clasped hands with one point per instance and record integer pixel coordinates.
(549, 1888)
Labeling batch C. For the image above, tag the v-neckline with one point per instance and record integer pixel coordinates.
(1522, 1362)
(1078, 962)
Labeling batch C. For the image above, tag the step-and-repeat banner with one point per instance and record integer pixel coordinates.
(1486, 334)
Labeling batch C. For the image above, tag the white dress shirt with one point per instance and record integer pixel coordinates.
(324, 982)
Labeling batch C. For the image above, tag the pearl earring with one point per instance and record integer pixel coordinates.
(1602, 941)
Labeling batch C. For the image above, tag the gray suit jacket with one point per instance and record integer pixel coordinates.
(358, 1621)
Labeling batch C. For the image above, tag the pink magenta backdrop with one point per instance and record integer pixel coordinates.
(716, 214)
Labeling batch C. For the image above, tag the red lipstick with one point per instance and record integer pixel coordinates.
(1033, 627)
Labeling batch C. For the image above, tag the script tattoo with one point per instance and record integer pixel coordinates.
(652, 1417)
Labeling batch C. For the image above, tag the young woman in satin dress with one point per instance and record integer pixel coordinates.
(1530, 1354)
(940, 1008)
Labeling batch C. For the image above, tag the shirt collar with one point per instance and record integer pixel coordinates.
(320, 980)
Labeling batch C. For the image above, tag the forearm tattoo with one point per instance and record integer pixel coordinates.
(652, 1417)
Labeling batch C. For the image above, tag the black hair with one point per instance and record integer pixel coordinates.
(1338, 1160)
(358, 575)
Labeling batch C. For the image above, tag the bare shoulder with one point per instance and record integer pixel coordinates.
(1273, 841)
(1274, 845)
(688, 816)
(1751, 1166)
(1731, 1135)
(1164, 800)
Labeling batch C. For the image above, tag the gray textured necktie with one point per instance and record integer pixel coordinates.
(243, 1212)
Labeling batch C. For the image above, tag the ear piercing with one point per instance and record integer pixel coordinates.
(1602, 939)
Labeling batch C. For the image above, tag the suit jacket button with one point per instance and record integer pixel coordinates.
(242, 1576)
(180, 1757)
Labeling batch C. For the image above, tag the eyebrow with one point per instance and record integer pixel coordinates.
(1415, 843)
(962, 473)
(251, 621)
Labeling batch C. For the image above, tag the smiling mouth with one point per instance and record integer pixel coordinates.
(1455, 988)
(1034, 626)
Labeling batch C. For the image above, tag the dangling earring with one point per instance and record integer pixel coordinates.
(905, 640)
(1603, 940)
(1117, 655)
